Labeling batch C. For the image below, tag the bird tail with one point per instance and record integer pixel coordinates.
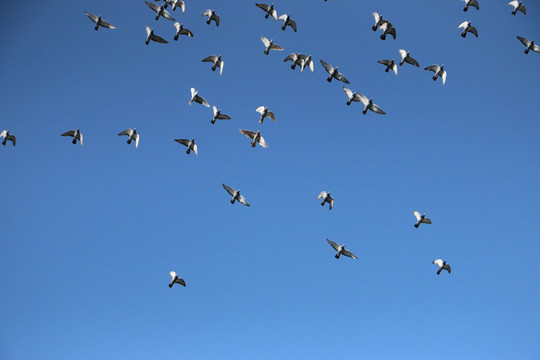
(439, 271)
(170, 285)
(463, 34)
(129, 141)
(374, 28)
(232, 201)
(417, 225)
(74, 141)
(337, 255)
(253, 143)
(383, 36)
(188, 151)
(176, 37)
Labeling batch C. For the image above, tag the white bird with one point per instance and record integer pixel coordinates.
(211, 16)
(181, 31)
(341, 250)
(269, 45)
(439, 71)
(76, 135)
(334, 73)
(472, 3)
(352, 96)
(269, 9)
(529, 44)
(387, 28)
(256, 137)
(235, 195)
(160, 11)
(174, 4)
(466, 26)
(287, 21)
(151, 36)
(7, 136)
(442, 266)
(518, 6)
(190, 144)
(218, 115)
(176, 280)
(369, 105)
(406, 58)
(132, 135)
(198, 99)
(390, 65)
(216, 61)
(263, 110)
(420, 219)
(378, 21)
(326, 199)
(98, 21)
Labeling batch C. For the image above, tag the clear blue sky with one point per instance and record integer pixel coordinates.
(89, 234)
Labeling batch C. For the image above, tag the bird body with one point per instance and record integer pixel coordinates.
(406, 58)
(132, 135)
(181, 31)
(198, 99)
(76, 135)
(269, 9)
(211, 14)
(99, 21)
(287, 21)
(518, 6)
(235, 195)
(390, 65)
(153, 37)
(351, 96)
(529, 44)
(256, 138)
(326, 199)
(216, 61)
(269, 45)
(334, 73)
(473, 3)
(218, 115)
(263, 110)
(467, 27)
(176, 280)
(341, 250)
(8, 137)
(442, 266)
(439, 71)
(190, 144)
(420, 219)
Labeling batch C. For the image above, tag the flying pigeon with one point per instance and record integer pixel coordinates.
(518, 6)
(334, 73)
(196, 98)
(235, 195)
(390, 65)
(174, 4)
(420, 219)
(529, 44)
(442, 266)
(132, 135)
(341, 250)
(306, 61)
(160, 11)
(466, 26)
(176, 280)
(378, 21)
(216, 61)
(295, 58)
(151, 36)
(352, 96)
(287, 21)
(211, 16)
(326, 199)
(269, 45)
(181, 31)
(269, 9)
(218, 115)
(256, 136)
(98, 21)
(190, 144)
(387, 28)
(76, 135)
(369, 105)
(7, 136)
(439, 71)
(472, 3)
(406, 57)
(263, 110)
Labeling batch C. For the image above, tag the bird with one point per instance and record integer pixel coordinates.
(190, 144)
(99, 22)
(420, 219)
(160, 11)
(472, 3)
(216, 61)
(341, 250)
(518, 6)
(263, 110)
(306, 61)
(334, 73)
(176, 280)
(378, 21)
(442, 266)
(287, 21)
(198, 99)
(326, 199)
(132, 135)
(295, 58)
(211, 16)
(387, 28)
(352, 96)
(466, 26)
(7, 136)
(256, 136)
(369, 105)
(235, 195)
(181, 31)
(529, 44)
(269, 9)
(218, 115)
(390, 64)
(269, 45)
(439, 71)
(76, 135)
(151, 36)
(406, 58)
(174, 4)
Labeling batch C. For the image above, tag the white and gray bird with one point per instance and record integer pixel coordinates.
(369, 105)
(287, 21)
(190, 144)
(378, 21)
(472, 3)
(132, 135)
(256, 138)
(211, 16)
(529, 44)
(326, 199)
(218, 115)
(76, 135)
(198, 99)
(420, 219)
(306, 61)
(352, 96)
(406, 58)
(216, 61)
(341, 250)
(334, 73)
(265, 113)
(467, 27)
(442, 266)
(181, 31)
(151, 36)
(176, 280)
(269, 45)
(235, 195)
(174, 4)
(439, 71)
(8, 137)
(160, 11)
(269, 9)
(387, 28)
(390, 65)
(295, 58)
(518, 6)
(99, 21)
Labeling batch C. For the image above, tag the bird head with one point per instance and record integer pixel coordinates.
(134, 130)
(193, 140)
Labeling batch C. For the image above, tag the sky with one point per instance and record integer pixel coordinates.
(89, 234)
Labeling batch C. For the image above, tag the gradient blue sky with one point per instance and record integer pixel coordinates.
(89, 234)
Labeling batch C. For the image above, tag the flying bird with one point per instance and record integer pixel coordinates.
(256, 137)
(190, 144)
(442, 266)
(7, 136)
(132, 135)
(235, 195)
(529, 44)
(518, 6)
(306, 61)
(341, 250)
(211, 16)
(378, 21)
(198, 99)
(176, 280)
(216, 61)
(387, 28)
(295, 58)
(420, 219)
(406, 58)
(181, 31)
(218, 115)
(174, 4)
(439, 71)
(390, 65)
(269, 9)
(369, 105)
(263, 110)
(98, 21)
(466, 26)
(352, 96)
(334, 73)
(76, 135)
(472, 3)
(269, 45)
(151, 36)
(160, 11)
(326, 199)
(287, 21)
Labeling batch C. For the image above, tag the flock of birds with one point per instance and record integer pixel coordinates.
(301, 61)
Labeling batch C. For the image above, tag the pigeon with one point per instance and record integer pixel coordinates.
(216, 61)
(387, 28)
(352, 96)
(160, 11)
(295, 58)
(306, 61)
(378, 21)
(256, 136)
(287, 21)
(389, 65)
(269, 9)
(132, 135)
(211, 16)
(518, 6)
(174, 4)
(406, 58)
(334, 73)
(181, 31)
(420, 219)
(529, 44)
(190, 144)
(235, 195)
(442, 266)
(326, 199)
(176, 280)
(263, 110)
(472, 3)
(341, 250)
(369, 105)
(196, 98)
(151, 36)
(466, 26)
(439, 71)
(7, 136)
(76, 135)
(99, 22)
(218, 115)
(269, 45)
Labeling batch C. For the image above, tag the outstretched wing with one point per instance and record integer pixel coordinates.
(417, 215)
(265, 41)
(438, 262)
(263, 6)
(363, 99)
(329, 69)
(148, 31)
(229, 189)
(180, 281)
(434, 68)
(69, 133)
(242, 200)
(271, 115)
(136, 140)
(292, 24)
(412, 61)
(92, 17)
(260, 109)
(403, 54)
(384, 62)
(207, 13)
(348, 92)
(293, 57)
(159, 39)
(333, 244)
(262, 142)
(443, 76)
(321, 195)
(524, 41)
(377, 109)
(127, 132)
(249, 134)
(3, 133)
(348, 253)
(211, 58)
(184, 142)
(153, 6)
(173, 274)
(340, 77)
(463, 24)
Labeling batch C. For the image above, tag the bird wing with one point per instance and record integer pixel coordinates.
(348, 92)
(214, 109)
(159, 39)
(183, 7)
(394, 67)
(262, 142)
(107, 25)
(283, 17)
(173, 274)
(474, 3)
(426, 220)
(293, 57)
(221, 64)
(473, 30)
(193, 92)
(321, 195)
(536, 48)
(184, 142)
(292, 24)
(514, 3)
(136, 137)
(153, 6)
(224, 117)
(127, 132)
(403, 54)
(463, 24)
(434, 68)
(331, 202)
(271, 115)
(274, 14)
(242, 200)
(524, 41)
(177, 26)
(3, 134)
(417, 215)
(447, 267)
(229, 189)
(376, 17)
(377, 109)
(339, 76)
(443, 76)
(92, 17)
(69, 133)
(211, 58)
(207, 13)
(327, 67)
(384, 26)
(195, 149)
(392, 31)
(263, 6)
(265, 41)
(249, 134)
(186, 32)
(260, 109)
(333, 244)
(439, 262)
(311, 65)
(363, 99)
(167, 15)
(412, 61)
(148, 31)
(12, 138)
(348, 253)
(276, 47)
(216, 19)
(201, 101)
(180, 281)
(384, 62)
(81, 138)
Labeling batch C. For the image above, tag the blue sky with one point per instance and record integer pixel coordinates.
(89, 234)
